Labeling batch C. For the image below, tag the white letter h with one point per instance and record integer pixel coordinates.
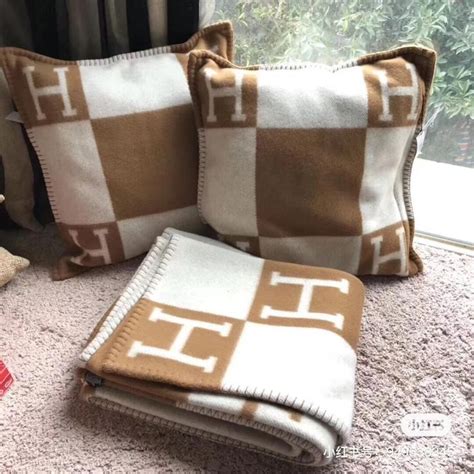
(175, 352)
(235, 92)
(303, 310)
(60, 89)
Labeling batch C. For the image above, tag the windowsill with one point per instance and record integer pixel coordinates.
(443, 197)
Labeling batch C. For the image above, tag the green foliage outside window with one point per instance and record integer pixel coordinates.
(330, 31)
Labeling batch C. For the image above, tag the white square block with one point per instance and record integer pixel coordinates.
(310, 364)
(381, 195)
(312, 98)
(139, 233)
(128, 86)
(76, 173)
(210, 279)
(229, 196)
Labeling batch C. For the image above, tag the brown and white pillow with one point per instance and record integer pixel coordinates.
(117, 143)
(311, 164)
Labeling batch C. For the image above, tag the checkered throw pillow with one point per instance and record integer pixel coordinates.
(117, 143)
(311, 164)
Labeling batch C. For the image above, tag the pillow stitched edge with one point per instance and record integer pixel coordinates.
(422, 57)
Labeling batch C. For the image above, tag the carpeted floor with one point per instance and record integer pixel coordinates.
(413, 357)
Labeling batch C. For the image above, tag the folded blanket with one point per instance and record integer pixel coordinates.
(215, 342)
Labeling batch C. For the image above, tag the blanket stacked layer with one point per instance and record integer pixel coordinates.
(241, 350)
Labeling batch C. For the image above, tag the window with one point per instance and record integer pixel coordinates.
(330, 31)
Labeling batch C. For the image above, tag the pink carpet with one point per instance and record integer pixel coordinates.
(413, 357)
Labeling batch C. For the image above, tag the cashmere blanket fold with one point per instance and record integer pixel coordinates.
(234, 348)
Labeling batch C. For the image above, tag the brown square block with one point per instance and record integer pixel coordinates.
(142, 166)
(308, 181)
(395, 93)
(287, 291)
(229, 98)
(47, 92)
(93, 245)
(147, 346)
(386, 251)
